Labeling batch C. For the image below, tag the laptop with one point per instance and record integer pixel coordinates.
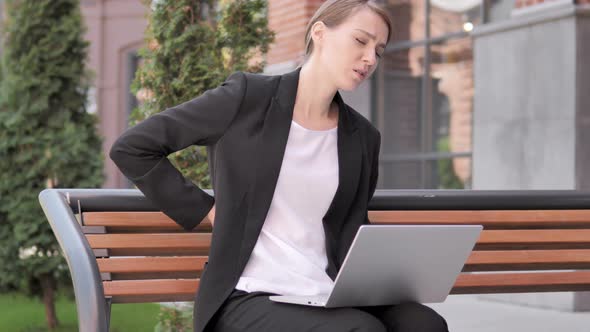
(390, 264)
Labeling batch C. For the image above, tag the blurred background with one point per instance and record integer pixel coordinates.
(470, 94)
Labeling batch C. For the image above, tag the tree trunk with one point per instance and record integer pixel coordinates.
(47, 284)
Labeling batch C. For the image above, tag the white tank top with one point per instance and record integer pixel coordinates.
(289, 257)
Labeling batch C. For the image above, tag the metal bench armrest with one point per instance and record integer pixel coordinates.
(90, 299)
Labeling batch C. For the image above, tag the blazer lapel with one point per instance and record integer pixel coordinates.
(349, 167)
(270, 153)
(269, 156)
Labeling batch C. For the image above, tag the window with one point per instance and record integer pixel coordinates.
(133, 62)
(423, 94)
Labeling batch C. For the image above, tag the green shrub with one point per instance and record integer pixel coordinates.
(192, 46)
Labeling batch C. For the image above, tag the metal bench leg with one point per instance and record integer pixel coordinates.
(108, 303)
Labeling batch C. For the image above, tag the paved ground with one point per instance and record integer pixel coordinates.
(466, 313)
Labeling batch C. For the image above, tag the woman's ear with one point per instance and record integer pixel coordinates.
(318, 29)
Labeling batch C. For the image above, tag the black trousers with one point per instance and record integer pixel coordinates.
(244, 311)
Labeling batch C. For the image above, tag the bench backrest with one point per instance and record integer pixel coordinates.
(120, 248)
(145, 256)
(518, 250)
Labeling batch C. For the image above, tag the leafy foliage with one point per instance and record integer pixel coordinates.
(47, 138)
(446, 172)
(192, 46)
(175, 318)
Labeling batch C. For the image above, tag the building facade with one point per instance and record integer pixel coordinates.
(422, 97)
(115, 29)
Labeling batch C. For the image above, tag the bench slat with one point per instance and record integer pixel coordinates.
(156, 252)
(538, 239)
(158, 290)
(153, 298)
(490, 239)
(488, 218)
(477, 261)
(152, 264)
(136, 220)
(183, 289)
(522, 282)
(154, 240)
(150, 287)
(527, 260)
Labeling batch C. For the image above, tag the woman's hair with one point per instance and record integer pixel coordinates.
(334, 12)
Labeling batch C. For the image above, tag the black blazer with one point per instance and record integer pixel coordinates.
(244, 123)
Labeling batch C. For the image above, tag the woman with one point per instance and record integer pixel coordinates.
(293, 169)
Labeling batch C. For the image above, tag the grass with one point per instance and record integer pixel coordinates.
(18, 313)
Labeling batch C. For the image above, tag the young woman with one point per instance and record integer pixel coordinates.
(293, 169)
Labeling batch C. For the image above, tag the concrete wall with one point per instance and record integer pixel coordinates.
(532, 114)
(524, 119)
(583, 101)
(582, 299)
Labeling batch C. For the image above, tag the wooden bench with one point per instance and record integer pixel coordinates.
(121, 250)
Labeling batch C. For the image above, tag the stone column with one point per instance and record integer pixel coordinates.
(532, 109)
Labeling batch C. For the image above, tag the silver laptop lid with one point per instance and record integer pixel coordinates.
(388, 264)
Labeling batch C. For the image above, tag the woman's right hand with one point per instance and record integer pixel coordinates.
(211, 215)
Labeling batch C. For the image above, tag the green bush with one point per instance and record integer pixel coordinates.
(447, 179)
(175, 318)
(192, 46)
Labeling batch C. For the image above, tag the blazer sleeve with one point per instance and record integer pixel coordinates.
(141, 151)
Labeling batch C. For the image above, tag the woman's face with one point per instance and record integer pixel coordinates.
(351, 51)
